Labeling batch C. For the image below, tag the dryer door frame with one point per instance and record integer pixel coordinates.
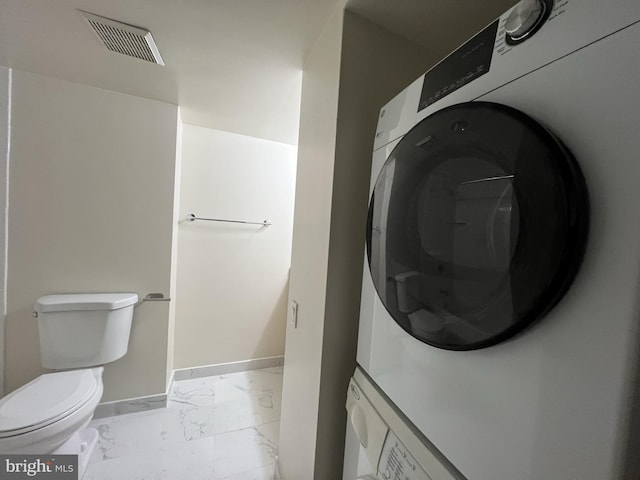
(477, 226)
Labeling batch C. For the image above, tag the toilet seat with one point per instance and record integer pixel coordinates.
(45, 400)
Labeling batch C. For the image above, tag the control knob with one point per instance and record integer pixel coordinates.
(524, 20)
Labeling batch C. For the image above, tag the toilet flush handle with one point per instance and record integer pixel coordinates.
(154, 297)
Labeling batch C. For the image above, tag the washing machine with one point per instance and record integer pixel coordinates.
(389, 448)
(500, 292)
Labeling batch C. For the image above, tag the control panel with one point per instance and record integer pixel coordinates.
(397, 463)
(366, 422)
(467, 63)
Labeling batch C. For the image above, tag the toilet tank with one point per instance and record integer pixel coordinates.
(84, 329)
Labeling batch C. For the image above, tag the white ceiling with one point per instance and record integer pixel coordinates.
(232, 65)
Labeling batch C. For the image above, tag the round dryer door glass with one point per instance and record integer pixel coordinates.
(477, 226)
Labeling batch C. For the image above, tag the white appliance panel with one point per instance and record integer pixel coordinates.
(399, 115)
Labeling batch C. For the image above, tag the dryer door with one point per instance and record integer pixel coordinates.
(477, 226)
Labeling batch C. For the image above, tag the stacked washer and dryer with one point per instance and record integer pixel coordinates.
(499, 313)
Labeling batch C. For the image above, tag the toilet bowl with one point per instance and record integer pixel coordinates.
(39, 417)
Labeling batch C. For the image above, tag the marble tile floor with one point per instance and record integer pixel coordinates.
(213, 428)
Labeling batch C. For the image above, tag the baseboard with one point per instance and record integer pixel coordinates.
(150, 402)
(224, 368)
(130, 405)
(134, 405)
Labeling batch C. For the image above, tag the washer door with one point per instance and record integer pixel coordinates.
(477, 226)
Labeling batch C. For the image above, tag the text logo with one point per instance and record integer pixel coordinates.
(50, 467)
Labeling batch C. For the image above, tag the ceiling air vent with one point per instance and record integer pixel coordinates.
(126, 39)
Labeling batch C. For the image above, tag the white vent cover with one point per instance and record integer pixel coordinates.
(123, 38)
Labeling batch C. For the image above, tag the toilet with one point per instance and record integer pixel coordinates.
(78, 334)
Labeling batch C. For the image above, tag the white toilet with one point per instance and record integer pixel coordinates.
(78, 334)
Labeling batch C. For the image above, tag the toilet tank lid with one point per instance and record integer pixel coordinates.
(85, 301)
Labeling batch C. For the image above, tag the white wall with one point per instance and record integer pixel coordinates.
(173, 281)
(354, 68)
(233, 279)
(5, 102)
(91, 210)
(303, 353)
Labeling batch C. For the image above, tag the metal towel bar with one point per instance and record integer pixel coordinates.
(192, 218)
